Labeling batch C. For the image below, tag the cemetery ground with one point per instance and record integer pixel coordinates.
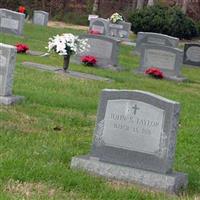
(39, 137)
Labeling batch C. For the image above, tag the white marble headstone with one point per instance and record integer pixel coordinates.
(11, 22)
(7, 66)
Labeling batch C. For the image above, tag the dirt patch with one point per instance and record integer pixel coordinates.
(27, 191)
(57, 24)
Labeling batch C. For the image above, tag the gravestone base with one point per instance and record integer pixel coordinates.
(8, 100)
(176, 78)
(167, 77)
(172, 183)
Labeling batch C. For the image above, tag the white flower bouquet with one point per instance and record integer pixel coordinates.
(115, 18)
(66, 45)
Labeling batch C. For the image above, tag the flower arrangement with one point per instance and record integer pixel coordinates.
(154, 72)
(22, 9)
(115, 18)
(66, 45)
(22, 48)
(88, 60)
(92, 32)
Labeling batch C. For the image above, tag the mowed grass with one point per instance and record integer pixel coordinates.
(39, 137)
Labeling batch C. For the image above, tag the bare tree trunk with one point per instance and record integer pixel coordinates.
(134, 2)
(150, 3)
(95, 7)
(184, 6)
(43, 4)
(140, 4)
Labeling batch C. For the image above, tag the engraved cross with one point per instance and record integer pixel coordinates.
(135, 108)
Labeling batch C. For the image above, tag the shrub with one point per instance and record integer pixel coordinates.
(165, 20)
(198, 27)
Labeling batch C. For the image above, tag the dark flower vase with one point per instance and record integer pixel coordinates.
(66, 63)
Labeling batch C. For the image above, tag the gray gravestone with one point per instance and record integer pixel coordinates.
(104, 49)
(135, 139)
(40, 17)
(99, 25)
(155, 38)
(192, 54)
(11, 22)
(7, 65)
(120, 30)
(169, 60)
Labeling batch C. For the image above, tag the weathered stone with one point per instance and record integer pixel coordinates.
(7, 65)
(40, 17)
(11, 22)
(192, 54)
(57, 69)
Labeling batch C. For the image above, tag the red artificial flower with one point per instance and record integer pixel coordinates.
(89, 60)
(22, 9)
(92, 32)
(155, 72)
(22, 48)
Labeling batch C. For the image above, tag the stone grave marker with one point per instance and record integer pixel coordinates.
(192, 54)
(104, 49)
(92, 17)
(7, 65)
(120, 30)
(11, 22)
(40, 17)
(155, 38)
(99, 25)
(169, 60)
(134, 140)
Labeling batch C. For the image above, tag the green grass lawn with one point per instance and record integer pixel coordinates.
(39, 137)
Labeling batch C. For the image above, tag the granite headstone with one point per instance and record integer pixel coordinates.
(104, 49)
(192, 54)
(120, 30)
(7, 65)
(169, 60)
(11, 22)
(134, 140)
(99, 25)
(40, 17)
(155, 38)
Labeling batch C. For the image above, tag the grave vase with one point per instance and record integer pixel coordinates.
(66, 62)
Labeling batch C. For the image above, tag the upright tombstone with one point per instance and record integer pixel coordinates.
(169, 60)
(7, 65)
(120, 30)
(104, 49)
(155, 38)
(192, 54)
(92, 17)
(40, 17)
(99, 25)
(11, 22)
(134, 140)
